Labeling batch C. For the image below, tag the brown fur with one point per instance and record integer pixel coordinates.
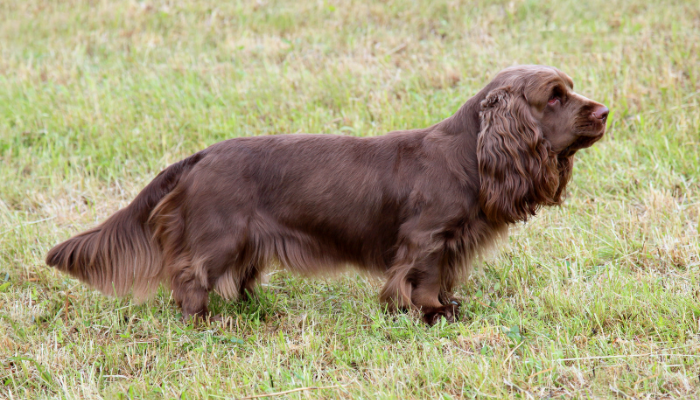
(416, 205)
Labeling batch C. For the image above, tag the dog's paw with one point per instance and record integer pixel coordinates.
(450, 312)
(198, 319)
(216, 319)
(452, 302)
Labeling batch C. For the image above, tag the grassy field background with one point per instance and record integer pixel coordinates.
(598, 298)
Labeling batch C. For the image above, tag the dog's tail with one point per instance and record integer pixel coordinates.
(122, 254)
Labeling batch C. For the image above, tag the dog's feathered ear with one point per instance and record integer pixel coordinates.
(516, 170)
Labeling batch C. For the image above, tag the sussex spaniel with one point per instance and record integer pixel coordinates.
(416, 205)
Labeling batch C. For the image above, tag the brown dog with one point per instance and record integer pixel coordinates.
(415, 205)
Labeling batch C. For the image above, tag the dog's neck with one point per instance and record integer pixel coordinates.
(458, 141)
(466, 122)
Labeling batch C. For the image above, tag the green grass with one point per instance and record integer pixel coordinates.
(598, 298)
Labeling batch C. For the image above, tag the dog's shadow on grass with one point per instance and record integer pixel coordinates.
(259, 306)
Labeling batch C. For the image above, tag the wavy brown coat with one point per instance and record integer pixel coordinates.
(416, 206)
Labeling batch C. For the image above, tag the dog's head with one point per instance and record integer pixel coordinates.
(532, 124)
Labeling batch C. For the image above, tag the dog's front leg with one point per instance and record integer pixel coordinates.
(426, 293)
(414, 283)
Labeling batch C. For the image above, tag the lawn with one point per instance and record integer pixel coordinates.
(599, 298)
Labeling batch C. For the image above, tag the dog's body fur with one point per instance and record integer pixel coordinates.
(415, 205)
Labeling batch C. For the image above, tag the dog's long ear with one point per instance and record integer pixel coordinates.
(516, 170)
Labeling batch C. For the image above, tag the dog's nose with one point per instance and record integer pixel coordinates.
(601, 112)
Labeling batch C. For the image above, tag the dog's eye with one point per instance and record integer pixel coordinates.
(556, 96)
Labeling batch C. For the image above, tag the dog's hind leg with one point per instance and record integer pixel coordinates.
(190, 296)
(238, 281)
(249, 280)
(190, 284)
(214, 266)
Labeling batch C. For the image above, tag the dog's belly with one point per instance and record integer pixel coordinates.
(308, 233)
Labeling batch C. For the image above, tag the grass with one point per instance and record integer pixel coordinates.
(599, 298)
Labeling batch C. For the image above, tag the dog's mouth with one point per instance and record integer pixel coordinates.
(581, 142)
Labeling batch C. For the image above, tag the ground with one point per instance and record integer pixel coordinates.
(597, 298)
